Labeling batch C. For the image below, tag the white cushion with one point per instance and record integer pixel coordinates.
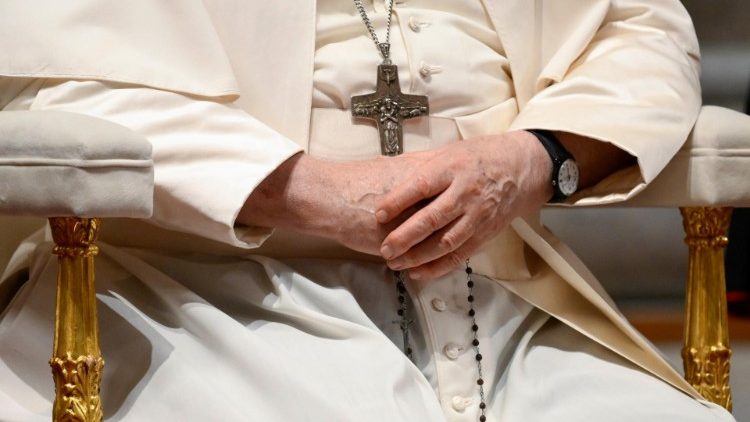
(711, 169)
(54, 163)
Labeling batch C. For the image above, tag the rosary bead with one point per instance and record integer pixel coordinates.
(471, 312)
(470, 298)
(401, 299)
(480, 381)
(400, 312)
(470, 284)
(479, 356)
(482, 405)
(475, 342)
(408, 350)
(482, 418)
(468, 270)
(474, 327)
(401, 288)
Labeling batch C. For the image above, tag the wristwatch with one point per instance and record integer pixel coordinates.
(564, 167)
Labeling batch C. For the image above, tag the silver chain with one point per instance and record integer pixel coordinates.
(385, 47)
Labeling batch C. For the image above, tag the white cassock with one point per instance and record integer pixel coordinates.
(204, 320)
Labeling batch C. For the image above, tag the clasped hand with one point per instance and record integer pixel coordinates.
(458, 197)
(424, 212)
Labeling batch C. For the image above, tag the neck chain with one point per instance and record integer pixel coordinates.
(389, 107)
(383, 47)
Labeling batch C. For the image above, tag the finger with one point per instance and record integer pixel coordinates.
(440, 243)
(422, 224)
(445, 264)
(424, 185)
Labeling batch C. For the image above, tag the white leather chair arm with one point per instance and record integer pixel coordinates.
(57, 164)
(711, 169)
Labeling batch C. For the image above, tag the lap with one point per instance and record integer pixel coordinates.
(210, 338)
(559, 374)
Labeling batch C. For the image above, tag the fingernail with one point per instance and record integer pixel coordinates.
(386, 252)
(415, 275)
(381, 216)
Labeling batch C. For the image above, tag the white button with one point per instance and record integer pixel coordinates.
(452, 351)
(438, 305)
(426, 69)
(461, 403)
(416, 25)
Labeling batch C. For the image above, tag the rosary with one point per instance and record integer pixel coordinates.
(389, 107)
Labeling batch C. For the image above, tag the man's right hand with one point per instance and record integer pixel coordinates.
(334, 200)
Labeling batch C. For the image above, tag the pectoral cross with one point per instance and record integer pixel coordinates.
(389, 107)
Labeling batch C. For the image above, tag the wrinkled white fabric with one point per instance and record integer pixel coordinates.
(211, 134)
(196, 337)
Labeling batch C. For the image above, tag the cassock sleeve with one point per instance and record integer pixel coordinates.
(209, 155)
(635, 85)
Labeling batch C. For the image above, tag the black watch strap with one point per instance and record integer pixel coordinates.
(558, 154)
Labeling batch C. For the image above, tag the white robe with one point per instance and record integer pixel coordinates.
(206, 352)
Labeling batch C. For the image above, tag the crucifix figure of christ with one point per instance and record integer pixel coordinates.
(389, 107)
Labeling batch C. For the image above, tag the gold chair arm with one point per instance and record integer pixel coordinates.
(706, 353)
(76, 359)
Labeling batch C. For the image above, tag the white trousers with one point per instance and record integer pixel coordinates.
(196, 337)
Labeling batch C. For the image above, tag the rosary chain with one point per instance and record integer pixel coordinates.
(404, 320)
(404, 323)
(475, 342)
(371, 29)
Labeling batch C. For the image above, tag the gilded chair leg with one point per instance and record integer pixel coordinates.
(76, 360)
(706, 353)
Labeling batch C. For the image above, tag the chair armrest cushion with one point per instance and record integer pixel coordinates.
(56, 164)
(711, 169)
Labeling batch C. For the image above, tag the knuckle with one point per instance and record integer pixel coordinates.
(422, 186)
(475, 189)
(449, 241)
(433, 219)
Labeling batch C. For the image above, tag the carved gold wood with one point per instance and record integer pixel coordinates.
(76, 360)
(706, 353)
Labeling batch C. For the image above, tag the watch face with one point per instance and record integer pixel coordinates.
(567, 178)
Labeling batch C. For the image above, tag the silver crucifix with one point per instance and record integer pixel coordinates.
(389, 107)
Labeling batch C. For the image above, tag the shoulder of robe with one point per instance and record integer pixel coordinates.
(563, 30)
(167, 45)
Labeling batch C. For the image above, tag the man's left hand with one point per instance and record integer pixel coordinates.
(475, 188)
